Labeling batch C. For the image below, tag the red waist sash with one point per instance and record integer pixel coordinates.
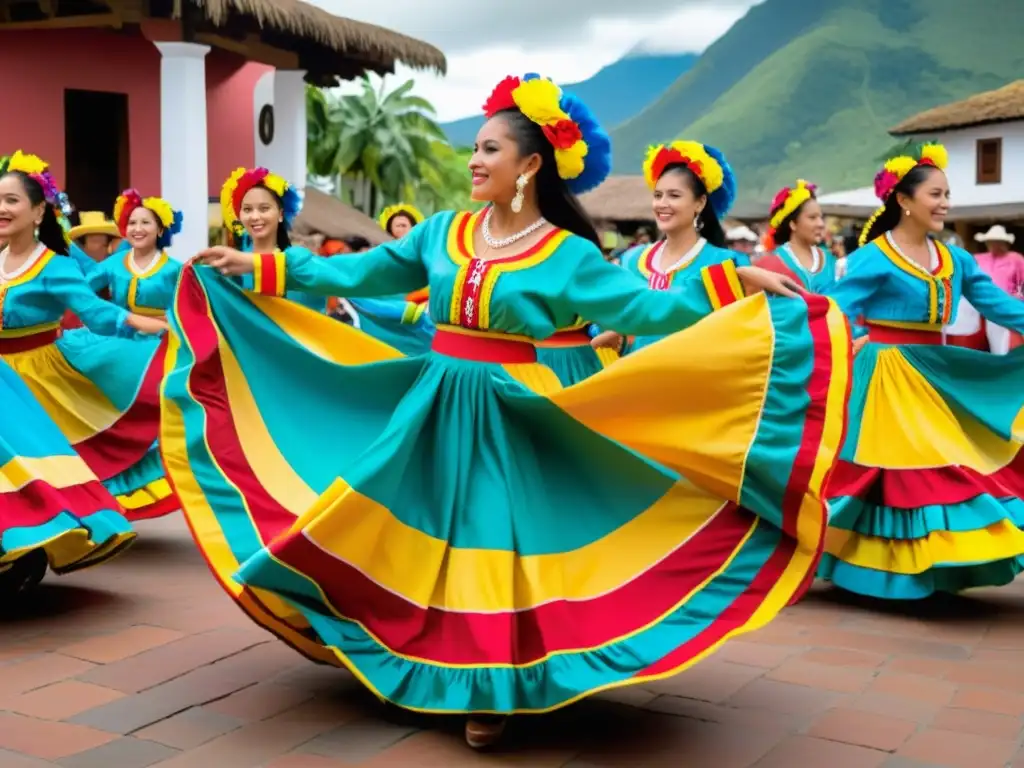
(483, 347)
(884, 334)
(15, 344)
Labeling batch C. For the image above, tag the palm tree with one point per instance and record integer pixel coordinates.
(444, 182)
(381, 143)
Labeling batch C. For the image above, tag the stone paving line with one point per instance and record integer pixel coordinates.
(145, 662)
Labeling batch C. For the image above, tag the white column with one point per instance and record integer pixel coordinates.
(184, 169)
(286, 154)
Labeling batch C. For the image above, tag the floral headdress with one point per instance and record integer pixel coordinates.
(895, 170)
(785, 203)
(238, 185)
(583, 151)
(170, 219)
(707, 164)
(393, 210)
(39, 171)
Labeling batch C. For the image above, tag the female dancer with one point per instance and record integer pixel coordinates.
(141, 280)
(259, 208)
(101, 408)
(794, 240)
(926, 497)
(398, 220)
(53, 510)
(693, 189)
(457, 528)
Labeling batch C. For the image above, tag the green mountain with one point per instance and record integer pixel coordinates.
(809, 89)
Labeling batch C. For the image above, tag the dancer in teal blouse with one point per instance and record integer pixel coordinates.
(693, 189)
(105, 402)
(460, 529)
(927, 495)
(794, 240)
(141, 279)
(259, 208)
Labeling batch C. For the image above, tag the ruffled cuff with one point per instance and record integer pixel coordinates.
(722, 284)
(268, 275)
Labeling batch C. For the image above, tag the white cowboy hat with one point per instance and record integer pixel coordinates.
(741, 233)
(997, 232)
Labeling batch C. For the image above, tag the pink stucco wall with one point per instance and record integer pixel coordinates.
(231, 141)
(41, 64)
(32, 97)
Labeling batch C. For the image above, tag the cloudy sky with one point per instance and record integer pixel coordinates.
(567, 40)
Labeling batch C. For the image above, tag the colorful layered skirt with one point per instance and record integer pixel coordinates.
(569, 355)
(470, 536)
(927, 495)
(52, 507)
(103, 394)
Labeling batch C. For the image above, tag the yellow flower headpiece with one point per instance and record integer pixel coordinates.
(788, 200)
(30, 165)
(706, 163)
(582, 148)
(241, 181)
(170, 219)
(39, 171)
(393, 210)
(895, 170)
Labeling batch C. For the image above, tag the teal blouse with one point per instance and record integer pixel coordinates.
(884, 287)
(533, 293)
(821, 281)
(148, 292)
(693, 275)
(36, 300)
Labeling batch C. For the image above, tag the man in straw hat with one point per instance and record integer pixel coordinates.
(95, 234)
(1006, 268)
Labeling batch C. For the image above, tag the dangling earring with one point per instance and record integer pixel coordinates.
(517, 201)
(697, 223)
(906, 211)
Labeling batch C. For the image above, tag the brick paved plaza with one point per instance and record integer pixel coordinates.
(145, 661)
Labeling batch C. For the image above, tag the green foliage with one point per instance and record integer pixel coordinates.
(800, 89)
(384, 142)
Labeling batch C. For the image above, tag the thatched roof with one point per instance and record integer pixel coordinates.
(329, 216)
(292, 20)
(619, 198)
(998, 106)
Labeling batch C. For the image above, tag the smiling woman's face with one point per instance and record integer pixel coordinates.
(260, 214)
(16, 210)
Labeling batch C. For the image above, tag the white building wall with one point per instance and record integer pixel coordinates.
(962, 171)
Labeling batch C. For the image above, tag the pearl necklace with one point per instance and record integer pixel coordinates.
(134, 265)
(683, 260)
(493, 242)
(933, 255)
(5, 276)
(816, 259)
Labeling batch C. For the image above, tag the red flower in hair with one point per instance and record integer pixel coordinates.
(669, 157)
(132, 200)
(780, 198)
(563, 134)
(249, 180)
(501, 97)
